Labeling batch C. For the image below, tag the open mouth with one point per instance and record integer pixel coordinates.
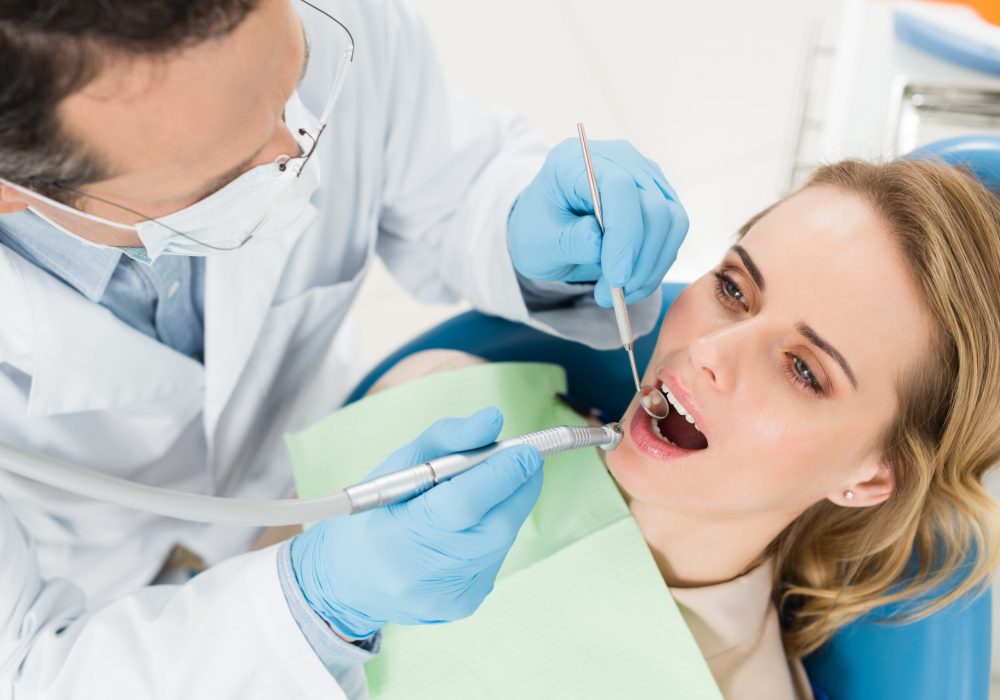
(678, 428)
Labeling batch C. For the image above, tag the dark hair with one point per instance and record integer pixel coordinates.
(50, 49)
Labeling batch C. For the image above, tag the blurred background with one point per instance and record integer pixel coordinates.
(736, 101)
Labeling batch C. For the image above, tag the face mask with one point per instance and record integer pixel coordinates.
(258, 203)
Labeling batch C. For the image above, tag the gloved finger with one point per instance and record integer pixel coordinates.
(462, 502)
(585, 273)
(490, 538)
(628, 157)
(659, 180)
(445, 437)
(502, 524)
(651, 263)
(602, 293)
(651, 279)
(666, 256)
(480, 587)
(623, 225)
(459, 597)
(679, 224)
(579, 243)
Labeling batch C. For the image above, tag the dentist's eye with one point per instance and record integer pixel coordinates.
(728, 292)
(800, 373)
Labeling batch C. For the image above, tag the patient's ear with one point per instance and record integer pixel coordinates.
(874, 485)
(11, 201)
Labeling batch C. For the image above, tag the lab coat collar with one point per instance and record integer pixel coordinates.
(239, 291)
(82, 358)
(79, 355)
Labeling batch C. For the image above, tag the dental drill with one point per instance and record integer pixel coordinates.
(384, 490)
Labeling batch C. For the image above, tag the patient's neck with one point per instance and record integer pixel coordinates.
(692, 551)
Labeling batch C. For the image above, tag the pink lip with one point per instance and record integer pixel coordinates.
(685, 397)
(648, 443)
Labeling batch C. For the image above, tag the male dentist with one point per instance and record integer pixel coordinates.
(191, 192)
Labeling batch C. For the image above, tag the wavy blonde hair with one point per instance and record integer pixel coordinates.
(834, 564)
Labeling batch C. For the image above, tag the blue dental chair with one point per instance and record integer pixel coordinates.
(945, 656)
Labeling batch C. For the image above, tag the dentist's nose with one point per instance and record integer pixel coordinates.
(282, 143)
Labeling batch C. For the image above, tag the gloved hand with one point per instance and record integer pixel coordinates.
(553, 233)
(433, 558)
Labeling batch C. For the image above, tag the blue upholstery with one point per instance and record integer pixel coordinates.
(979, 153)
(946, 655)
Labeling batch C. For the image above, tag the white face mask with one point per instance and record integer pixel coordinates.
(259, 202)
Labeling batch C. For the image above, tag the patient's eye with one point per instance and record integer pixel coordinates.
(728, 292)
(801, 374)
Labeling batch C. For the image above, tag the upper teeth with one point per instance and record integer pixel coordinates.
(677, 405)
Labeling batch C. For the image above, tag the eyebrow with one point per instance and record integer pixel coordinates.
(750, 265)
(803, 328)
(816, 340)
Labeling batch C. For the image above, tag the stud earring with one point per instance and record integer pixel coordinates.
(849, 495)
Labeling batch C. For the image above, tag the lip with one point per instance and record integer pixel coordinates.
(641, 433)
(673, 383)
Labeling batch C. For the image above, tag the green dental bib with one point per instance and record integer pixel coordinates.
(579, 609)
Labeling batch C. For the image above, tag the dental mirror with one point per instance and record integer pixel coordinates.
(653, 402)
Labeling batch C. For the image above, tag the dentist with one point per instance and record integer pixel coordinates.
(191, 193)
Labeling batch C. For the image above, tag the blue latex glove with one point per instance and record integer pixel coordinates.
(553, 233)
(433, 558)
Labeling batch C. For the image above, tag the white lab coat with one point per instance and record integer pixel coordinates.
(412, 170)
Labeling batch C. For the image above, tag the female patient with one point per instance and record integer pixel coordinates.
(841, 389)
(839, 371)
(835, 405)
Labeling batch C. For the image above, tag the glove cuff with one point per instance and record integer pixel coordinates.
(344, 620)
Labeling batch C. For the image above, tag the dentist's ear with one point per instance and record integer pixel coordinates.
(11, 201)
(875, 485)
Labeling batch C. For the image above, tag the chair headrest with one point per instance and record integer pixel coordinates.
(979, 153)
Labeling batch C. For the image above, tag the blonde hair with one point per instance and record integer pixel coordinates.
(834, 564)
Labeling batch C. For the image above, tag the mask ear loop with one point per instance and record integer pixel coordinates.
(281, 163)
(70, 210)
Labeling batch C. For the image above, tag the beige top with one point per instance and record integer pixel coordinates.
(736, 628)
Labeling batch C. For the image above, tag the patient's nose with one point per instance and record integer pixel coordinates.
(715, 357)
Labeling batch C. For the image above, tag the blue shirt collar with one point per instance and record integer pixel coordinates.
(84, 267)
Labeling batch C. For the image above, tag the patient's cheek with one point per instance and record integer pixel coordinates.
(679, 319)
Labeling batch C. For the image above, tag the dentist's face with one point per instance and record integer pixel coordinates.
(175, 127)
(787, 355)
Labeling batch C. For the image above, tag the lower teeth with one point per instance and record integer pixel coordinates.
(655, 425)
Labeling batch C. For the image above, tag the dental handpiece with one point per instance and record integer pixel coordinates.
(381, 491)
(407, 483)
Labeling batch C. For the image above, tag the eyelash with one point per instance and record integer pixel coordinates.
(792, 367)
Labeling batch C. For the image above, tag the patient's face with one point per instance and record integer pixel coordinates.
(765, 365)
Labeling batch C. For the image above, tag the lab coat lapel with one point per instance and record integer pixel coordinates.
(79, 355)
(239, 291)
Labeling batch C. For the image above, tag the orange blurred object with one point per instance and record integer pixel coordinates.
(987, 9)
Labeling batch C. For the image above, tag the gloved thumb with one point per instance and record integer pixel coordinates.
(444, 437)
